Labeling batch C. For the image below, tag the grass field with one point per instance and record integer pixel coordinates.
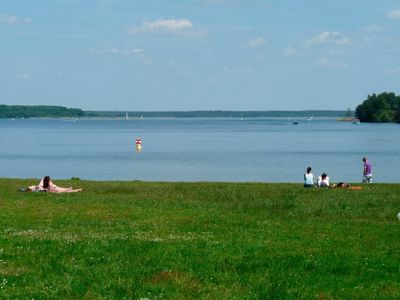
(150, 240)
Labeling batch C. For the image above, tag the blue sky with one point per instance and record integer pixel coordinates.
(198, 54)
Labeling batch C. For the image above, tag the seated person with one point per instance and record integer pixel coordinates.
(308, 178)
(47, 185)
(323, 180)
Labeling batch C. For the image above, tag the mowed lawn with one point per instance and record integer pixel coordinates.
(151, 240)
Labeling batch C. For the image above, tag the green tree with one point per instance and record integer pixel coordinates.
(24, 111)
(384, 107)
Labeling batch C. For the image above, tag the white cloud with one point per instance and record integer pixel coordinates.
(116, 51)
(343, 41)
(23, 76)
(164, 25)
(170, 26)
(10, 19)
(394, 14)
(220, 2)
(290, 51)
(328, 37)
(322, 37)
(136, 52)
(330, 64)
(255, 42)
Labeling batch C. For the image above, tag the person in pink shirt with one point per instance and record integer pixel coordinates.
(367, 171)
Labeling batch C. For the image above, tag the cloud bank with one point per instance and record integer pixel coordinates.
(170, 26)
(116, 51)
(328, 37)
(255, 42)
(11, 19)
(394, 14)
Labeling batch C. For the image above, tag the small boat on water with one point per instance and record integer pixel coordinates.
(295, 122)
(309, 119)
(126, 116)
(356, 121)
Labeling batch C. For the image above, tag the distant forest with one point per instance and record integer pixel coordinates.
(39, 111)
(218, 114)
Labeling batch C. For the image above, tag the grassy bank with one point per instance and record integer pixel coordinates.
(199, 240)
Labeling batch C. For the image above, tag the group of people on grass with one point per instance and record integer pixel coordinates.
(323, 179)
(47, 185)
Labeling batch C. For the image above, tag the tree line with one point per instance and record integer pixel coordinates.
(39, 111)
(42, 111)
(382, 108)
(218, 114)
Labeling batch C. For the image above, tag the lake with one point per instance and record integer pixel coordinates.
(261, 150)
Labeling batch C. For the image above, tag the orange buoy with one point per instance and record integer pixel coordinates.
(138, 145)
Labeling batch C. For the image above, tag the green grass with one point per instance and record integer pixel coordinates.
(155, 240)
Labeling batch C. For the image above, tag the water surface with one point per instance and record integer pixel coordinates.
(263, 150)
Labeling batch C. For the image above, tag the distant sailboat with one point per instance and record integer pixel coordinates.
(126, 116)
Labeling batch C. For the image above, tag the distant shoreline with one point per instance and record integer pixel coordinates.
(217, 114)
(135, 118)
(45, 111)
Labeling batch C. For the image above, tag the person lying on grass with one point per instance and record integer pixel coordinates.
(344, 185)
(47, 185)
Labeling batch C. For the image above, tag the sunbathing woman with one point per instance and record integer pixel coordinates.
(47, 185)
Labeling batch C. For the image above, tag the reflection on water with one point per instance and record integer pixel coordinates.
(267, 150)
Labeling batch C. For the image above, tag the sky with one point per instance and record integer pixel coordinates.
(165, 55)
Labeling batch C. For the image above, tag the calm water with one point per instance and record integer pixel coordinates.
(265, 150)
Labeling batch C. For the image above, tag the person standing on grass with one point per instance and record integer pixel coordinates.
(308, 178)
(367, 171)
